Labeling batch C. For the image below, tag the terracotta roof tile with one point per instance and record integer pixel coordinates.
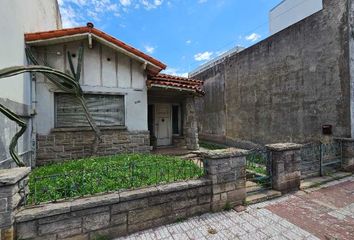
(176, 82)
(29, 37)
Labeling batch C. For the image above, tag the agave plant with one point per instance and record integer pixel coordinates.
(65, 82)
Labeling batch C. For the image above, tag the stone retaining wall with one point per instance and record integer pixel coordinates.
(13, 188)
(120, 213)
(115, 214)
(66, 144)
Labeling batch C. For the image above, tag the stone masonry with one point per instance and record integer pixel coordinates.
(115, 214)
(66, 144)
(227, 171)
(190, 126)
(286, 160)
(13, 189)
(120, 213)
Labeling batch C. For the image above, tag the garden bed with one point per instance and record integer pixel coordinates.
(106, 174)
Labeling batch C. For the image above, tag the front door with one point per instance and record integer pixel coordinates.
(163, 124)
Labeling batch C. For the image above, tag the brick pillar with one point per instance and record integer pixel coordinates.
(227, 171)
(286, 162)
(347, 153)
(13, 188)
(190, 128)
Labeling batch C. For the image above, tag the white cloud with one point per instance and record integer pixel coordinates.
(151, 4)
(149, 49)
(69, 17)
(125, 2)
(205, 56)
(188, 42)
(78, 12)
(176, 72)
(253, 37)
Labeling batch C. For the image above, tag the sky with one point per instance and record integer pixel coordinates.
(183, 34)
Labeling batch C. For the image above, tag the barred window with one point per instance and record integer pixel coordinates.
(106, 110)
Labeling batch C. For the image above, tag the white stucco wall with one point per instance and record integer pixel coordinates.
(104, 71)
(289, 12)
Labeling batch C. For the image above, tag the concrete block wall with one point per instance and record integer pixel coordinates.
(69, 144)
(13, 189)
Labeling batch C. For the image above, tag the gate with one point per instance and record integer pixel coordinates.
(258, 171)
(320, 158)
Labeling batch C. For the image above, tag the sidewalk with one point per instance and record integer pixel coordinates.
(326, 212)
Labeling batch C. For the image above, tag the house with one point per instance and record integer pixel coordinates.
(289, 12)
(18, 17)
(130, 100)
(294, 86)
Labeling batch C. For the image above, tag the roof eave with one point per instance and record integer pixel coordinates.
(80, 36)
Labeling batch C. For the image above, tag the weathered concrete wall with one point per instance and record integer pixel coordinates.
(286, 87)
(78, 143)
(211, 108)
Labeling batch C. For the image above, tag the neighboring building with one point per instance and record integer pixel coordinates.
(18, 17)
(287, 87)
(289, 12)
(125, 94)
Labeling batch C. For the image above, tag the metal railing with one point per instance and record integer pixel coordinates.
(258, 171)
(108, 178)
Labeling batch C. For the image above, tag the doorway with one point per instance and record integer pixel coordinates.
(163, 124)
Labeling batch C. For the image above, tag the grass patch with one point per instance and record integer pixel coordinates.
(211, 146)
(104, 174)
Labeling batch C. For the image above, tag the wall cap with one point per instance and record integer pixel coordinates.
(280, 147)
(224, 153)
(13, 175)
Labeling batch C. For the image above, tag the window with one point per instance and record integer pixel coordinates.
(175, 120)
(106, 110)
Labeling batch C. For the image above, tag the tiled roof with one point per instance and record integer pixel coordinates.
(30, 37)
(164, 80)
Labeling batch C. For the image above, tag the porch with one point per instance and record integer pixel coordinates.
(172, 120)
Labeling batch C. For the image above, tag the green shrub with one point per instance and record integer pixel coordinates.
(104, 174)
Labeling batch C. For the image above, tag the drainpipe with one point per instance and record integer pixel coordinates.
(90, 26)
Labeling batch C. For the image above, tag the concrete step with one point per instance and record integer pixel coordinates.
(253, 187)
(262, 196)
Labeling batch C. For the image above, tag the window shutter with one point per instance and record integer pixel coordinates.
(106, 110)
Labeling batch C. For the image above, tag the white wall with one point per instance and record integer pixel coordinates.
(120, 74)
(289, 12)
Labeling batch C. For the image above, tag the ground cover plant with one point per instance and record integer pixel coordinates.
(211, 146)
(78, 178)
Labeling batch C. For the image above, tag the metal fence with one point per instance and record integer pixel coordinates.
(258, 171)
(108, 178)
(318, 158)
